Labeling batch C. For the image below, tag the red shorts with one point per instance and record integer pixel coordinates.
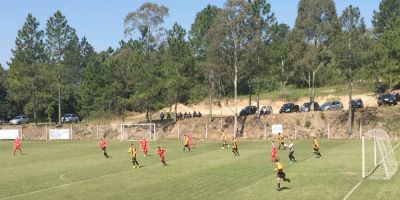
(17, 147)
(144, 149)
(161, 158)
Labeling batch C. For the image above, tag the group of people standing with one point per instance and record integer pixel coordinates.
(180, 115)
(281, 176)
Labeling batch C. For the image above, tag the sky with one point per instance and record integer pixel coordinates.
(101, 21)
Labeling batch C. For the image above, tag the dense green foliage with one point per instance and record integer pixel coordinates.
(78, 170)
(52, 71)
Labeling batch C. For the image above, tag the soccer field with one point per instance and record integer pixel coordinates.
(78, 170)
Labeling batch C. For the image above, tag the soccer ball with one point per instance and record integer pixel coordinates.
(285, 145)
(229, 147)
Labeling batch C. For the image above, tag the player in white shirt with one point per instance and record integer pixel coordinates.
(291, 152)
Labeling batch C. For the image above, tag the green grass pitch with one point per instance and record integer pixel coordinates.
(78, 170)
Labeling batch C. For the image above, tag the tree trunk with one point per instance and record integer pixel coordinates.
(350, 79)
(313, 92)
(309, 85)
(350, 120)
(211, 78)
(235, 85)
(249, 83)
(258, 100)
(176, 110)
(59, 98)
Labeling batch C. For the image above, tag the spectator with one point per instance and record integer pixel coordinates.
(168, 115)
(162, 115)
(194, 114)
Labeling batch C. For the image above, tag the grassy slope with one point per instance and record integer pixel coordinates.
(206, 173)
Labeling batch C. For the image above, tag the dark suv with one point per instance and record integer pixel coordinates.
(357, 104)
(248, 110)
(307, 105)
(387, 99)
(289, 108)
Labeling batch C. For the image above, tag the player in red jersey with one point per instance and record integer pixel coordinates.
(103, 146)
(161, 153)
(273, 151)
(17, 145)
(144, 146)
(190, 142)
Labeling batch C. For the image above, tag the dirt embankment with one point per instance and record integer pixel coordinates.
(227, 107)
(295, 125)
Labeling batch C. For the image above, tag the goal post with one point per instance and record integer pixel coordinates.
(378, 158)
(136, 131)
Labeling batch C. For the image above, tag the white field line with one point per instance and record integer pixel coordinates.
(362, 180)
(89, 179)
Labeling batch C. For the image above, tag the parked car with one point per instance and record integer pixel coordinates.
(248, 110)
(289, 108)
(69, 118)
(332, 105)
(396, 96)
(357, 104)
(21, 119)
(266, 110)
(307, 105)
(386, 99)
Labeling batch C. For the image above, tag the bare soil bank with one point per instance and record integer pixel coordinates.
(299, 125)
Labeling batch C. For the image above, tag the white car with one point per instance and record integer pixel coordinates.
(22, 119)
(69, 118)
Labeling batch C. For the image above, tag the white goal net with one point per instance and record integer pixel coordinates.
(137, 131)
(378, 159)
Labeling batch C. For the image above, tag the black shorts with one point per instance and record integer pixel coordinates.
(187, 146)
(316, 149)
(280, 174)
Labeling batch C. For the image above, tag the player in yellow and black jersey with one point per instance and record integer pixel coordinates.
(316, 147)
(281, 141)
(132, 153)
(280, 175)
(235, 149)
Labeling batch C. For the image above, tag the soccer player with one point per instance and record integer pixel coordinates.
(144, 146)
(132, 153)
(291, 152)
(190, 140)
(235, 147)
(17, 145)
(103, 146)
(273, 151)
(224, 143)
(161, 153)
(280, 175)
(186, 142)
(316, 147)
(281, 142)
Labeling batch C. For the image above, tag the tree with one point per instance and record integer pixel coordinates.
(387, 53)
(199, 41)
(148, 20)
(197, 34)
(27, 79)
(388, 10)
(353, 30)
(317, 21)
(228, 42)
(260, 21)
(180, 66)
(59, 38)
